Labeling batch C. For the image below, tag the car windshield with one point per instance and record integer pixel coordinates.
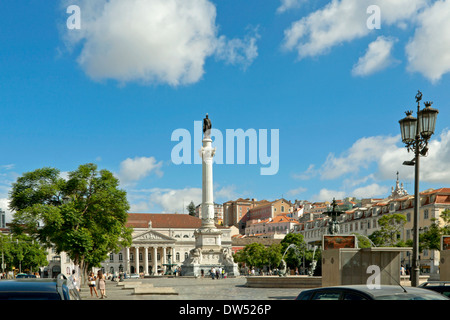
(412, 296)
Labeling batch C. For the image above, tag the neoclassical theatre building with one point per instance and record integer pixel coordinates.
(155, 237)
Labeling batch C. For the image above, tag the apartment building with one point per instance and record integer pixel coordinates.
(279, 225)
(364, 220)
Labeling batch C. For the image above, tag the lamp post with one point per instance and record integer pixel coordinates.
(415, 134)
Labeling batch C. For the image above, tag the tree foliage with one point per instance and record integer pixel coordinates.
(191, 208)
(84, 215)
(431, 238)
(294, 256)
(257, 255)
(390, 230)
(22, 252)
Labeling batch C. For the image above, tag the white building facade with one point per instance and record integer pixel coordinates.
(156, 238)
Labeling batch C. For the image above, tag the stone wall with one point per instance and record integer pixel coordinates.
(356, 266)
(444, 266)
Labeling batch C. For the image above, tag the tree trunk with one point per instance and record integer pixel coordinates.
(83, 273)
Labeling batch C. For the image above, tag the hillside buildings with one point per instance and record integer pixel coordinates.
(363, 220)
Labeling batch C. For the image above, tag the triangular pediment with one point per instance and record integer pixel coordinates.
(152, 236)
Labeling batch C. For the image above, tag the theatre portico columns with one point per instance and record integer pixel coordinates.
(148, 253)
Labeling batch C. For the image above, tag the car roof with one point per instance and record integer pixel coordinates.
(382, 291)
(29, 284)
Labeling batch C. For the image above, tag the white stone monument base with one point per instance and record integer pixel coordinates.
(196, 270)
(207, 257)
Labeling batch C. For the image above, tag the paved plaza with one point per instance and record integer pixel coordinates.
(196, 289)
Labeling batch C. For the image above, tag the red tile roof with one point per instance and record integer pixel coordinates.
(441, 190)
(163, 220)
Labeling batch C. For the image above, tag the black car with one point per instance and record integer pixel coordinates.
(35, 289)
(443, 287)
(362, 292)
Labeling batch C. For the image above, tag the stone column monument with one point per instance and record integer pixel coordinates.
(208, 251)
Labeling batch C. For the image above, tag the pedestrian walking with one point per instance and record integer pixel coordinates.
(102, 284)
(73, 285)
(92, 286)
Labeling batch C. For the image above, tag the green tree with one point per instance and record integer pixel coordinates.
(273, 255)
(84, 216)
(389, 232)
(191, 209)
(431, 239)
(22, 252)
(445, 215)
(294, 256)
(254, 255)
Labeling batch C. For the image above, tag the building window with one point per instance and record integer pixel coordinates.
(120, 257)
(425, 214)
(177, 257)
(408, 217)
(111, 257)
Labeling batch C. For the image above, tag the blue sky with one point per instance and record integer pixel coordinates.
(114, 91)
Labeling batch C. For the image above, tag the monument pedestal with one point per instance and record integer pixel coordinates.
(209, 253)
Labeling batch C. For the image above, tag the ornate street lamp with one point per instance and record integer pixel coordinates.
(415, 135)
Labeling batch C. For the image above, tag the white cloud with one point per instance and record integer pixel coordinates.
(140, 207)
(370, 191)
(428, 51)
(361, 154)
(238, 51)
(377, 57)
(341, 21)
(151, 41)
(386, 155)
(328, 195)
(168, 200)
(175, 200)
(132, 170)
(289, 4)
(435, 167)
(225, 193)
(306, 175)
(296, 191)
